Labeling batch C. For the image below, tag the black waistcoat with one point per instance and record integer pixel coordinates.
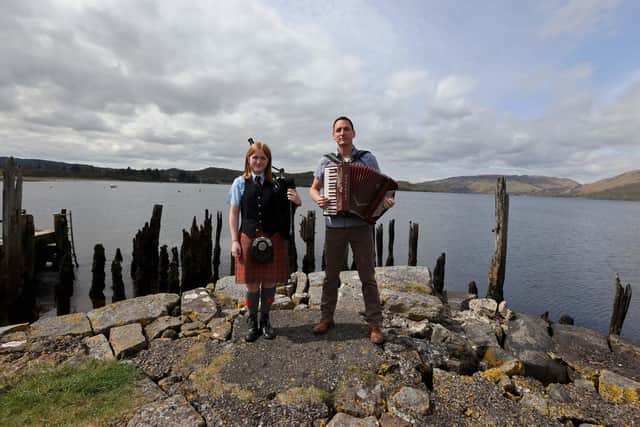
(258, 209)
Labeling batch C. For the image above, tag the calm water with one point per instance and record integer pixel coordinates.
(562, 253)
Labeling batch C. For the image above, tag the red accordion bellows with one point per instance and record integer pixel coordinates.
(358, 190)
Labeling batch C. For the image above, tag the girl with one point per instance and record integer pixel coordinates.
(256, 199)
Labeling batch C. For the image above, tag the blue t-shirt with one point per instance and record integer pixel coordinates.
(368, 160)
(237, 190)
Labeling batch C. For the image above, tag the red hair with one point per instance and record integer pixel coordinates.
(250, 152)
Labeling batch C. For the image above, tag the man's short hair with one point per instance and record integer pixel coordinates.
(342, 118)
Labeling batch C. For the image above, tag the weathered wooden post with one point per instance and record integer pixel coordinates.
(64, 263)
(98, 277)
(174, 275)
(392, 235)
(206, 249)
(145, 257)
(12, 263)
(379, 242)
(499, 259)
(413, 243)
(27, 298)
(64, 286)
(195, 254)
(216, 249)
(117, 284)
(163, 272)
(308, 235)
(187, 276)
(472, 289)
(438, 274)
(621, 303)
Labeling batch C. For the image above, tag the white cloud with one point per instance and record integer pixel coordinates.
(579, 17)
(173, 84)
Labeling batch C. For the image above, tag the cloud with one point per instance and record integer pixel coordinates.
(579, 17)
(174, 84)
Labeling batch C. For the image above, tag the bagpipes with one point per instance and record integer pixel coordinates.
(286, 207)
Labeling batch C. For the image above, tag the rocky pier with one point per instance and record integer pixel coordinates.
(449, 359)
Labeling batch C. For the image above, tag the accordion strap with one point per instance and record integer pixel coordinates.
(336, 158)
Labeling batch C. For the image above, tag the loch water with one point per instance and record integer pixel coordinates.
(563, 253)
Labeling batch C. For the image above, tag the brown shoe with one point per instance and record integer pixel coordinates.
(376, 335)
(323, 326)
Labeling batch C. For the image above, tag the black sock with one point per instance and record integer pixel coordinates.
(266, 299)
(251, 302)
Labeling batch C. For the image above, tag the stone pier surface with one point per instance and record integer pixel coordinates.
(446, 361)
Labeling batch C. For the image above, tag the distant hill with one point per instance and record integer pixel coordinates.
(621, 187)
(37, 168)
(516, 184)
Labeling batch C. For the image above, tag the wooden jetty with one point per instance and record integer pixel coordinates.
(25, 251)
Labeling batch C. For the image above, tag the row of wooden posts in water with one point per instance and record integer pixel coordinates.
(153, 271)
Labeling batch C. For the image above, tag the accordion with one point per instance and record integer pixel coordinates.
(358, 190)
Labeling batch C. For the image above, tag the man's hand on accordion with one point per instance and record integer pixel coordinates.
(322, 202)
(388, 202)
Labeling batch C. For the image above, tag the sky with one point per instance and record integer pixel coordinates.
(435, 88)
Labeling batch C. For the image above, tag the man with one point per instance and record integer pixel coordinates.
(348, 230)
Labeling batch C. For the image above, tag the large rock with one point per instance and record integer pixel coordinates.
(528, 333)
(99, 347)
(10, 329)
(529, 341)
(345, 420)
(156, 328)
(127, 340)
(396, 277)
(626, 355)
(300, 280)
(228, 290)
(404, 277)
(198, 305)
(220, 328)
(172, 411)
(410, 404)
(583, 349)
(388, 420)
(458, 348)
(143, 310)
(484, 306)
(316, 279)
(414, 306)
(282, 302)
(481, 334)
(618, 389)
(70, 324)
(360, 394)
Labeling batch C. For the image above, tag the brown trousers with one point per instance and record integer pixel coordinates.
(361, 240)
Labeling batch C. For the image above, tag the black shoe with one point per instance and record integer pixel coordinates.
(254, 331)
(265, 326)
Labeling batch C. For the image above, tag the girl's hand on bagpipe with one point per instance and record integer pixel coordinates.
(388, 202)
(293, 196)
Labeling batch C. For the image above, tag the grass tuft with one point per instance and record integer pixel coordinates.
(75, 395)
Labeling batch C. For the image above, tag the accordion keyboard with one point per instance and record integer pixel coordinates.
(330, 190)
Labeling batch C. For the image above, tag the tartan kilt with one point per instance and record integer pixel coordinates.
(276, 271)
